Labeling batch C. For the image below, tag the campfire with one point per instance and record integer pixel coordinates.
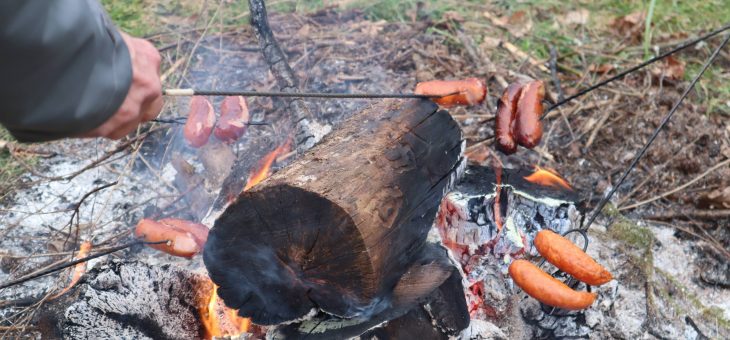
(369, 223)
(219, 320)
(378, 229)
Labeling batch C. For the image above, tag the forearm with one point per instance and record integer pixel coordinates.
(64, 69)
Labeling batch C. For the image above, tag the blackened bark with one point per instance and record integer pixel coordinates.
(339, 227)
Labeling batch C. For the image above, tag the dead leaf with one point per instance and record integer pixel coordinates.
(630, 26)
(600, 69)
(304, 31)
(518, 24)
(489, 44)
(716, 199)
(375, 28)
(478, 155)
(671, 70)
(579, 18)
(452, 16)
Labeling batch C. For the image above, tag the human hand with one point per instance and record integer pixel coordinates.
(144, 99)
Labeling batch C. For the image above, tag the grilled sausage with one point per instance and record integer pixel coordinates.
(569, 258)
(547, 289)
(470, 91)
(184, 238)
(201, 120)
(504, 121)
(528, 127)
(233, 120)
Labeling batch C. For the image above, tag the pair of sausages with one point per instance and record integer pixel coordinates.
(565, 255)
(181, 238)
(517, 120)
(470, 91)
(202, 121)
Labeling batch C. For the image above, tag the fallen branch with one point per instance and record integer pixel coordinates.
(63, 266)
(306, 136)
(554, 72)
(697, 213)
(93, 164)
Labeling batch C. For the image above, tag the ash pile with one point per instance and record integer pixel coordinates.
(492, 217)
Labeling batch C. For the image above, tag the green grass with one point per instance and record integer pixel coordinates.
(129, 15)
(9, 169)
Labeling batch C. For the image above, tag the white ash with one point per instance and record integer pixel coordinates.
(482, 330)
(30, 216)
(665, 259)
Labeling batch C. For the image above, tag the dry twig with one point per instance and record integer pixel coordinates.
(679, 188)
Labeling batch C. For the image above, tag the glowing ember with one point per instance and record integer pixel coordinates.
(220, 320)
(548, 178)
(79, 269)
(264, 168)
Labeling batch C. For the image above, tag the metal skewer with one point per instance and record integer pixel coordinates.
(599, 208)
(193, 92)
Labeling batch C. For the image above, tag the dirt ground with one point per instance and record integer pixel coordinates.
(665, 235)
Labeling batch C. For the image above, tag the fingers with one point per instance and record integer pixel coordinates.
(153, 109)
(144, 99)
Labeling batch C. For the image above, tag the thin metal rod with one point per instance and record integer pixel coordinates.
(664, 122)
(639, 66)
(73, 263)
(193, 92)
(182, 120)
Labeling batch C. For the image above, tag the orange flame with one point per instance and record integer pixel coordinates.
(79, 269)
(219, 320)
(264, 168)
(548, 178)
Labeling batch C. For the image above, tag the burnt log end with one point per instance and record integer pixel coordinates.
(338, 228)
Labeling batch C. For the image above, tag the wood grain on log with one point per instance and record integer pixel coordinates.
(338, 228)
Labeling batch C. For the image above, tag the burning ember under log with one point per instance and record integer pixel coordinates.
(338, 228)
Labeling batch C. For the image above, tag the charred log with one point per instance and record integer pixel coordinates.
(338, 228)
(129, 300)
(442, 316)
(428, 300)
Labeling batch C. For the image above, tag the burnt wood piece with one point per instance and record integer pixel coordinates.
(431, 283)
(338, 228)
(307, 131)
(466, 224)
(442, 316)
(128, 300)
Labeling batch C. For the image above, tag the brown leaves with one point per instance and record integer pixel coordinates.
(716, 199)
(671, 70)
(575, 18)
(518, 24)
(600, 69)
(630, 26)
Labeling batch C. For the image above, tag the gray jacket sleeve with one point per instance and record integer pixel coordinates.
(64, 68)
